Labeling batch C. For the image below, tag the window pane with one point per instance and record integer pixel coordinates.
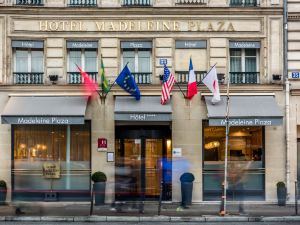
(129, 57)
(235, 52)
(250, 64)
(144, 61)
(80, 143)
(21, 61)
(250, 52)
(37, 61)
(74, 58)
(90, 61)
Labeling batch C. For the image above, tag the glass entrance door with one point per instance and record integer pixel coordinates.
(140, 164)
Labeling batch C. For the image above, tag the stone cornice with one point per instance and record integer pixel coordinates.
(294, 17)
(141, 11)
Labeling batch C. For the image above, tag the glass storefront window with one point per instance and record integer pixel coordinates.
(66, 146)
(245, 163)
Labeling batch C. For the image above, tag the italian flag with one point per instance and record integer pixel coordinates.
(192, 84)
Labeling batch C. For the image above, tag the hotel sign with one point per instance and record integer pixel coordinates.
(51, 120)
(190, 44)
(244, 44)
(247, 122)
(139, 117)
(27, 44)
(82, 44)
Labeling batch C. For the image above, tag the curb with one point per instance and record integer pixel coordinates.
(149, 219)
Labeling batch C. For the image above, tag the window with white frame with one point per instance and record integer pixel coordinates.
(244, 62)
(84, 55)
(28, 62)
(137, 55)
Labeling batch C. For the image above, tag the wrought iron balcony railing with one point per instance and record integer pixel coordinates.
(76, 78)
(245, 3)
(244, 77)
(182, 77)
(28, 78)
(142, 78)
(136, 2)
(82, 3)
(190, 2)
(30, 2)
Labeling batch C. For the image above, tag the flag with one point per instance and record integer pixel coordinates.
(211, 81)
(104, 82)
(89, 84)
(192, 84)
(168, 83)
(126, 81)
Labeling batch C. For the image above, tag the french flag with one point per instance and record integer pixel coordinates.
(192, 84)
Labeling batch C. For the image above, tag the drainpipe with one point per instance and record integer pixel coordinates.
(287, 96)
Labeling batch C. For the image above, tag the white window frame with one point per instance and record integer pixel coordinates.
(243, 59)
(29, 55)
(136, 59)
(82, 58)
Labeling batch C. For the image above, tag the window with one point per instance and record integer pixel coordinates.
(86, 58)
(139, 60)
(244, 64)
(35, 145)
(28, 62)
(245, 162)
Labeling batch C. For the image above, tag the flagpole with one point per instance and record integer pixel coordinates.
(180, 89)
(226, 149)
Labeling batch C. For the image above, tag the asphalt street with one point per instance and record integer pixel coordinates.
(149, 223)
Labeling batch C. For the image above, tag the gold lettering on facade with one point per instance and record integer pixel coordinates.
(176, 26)
(64, 25)
(123, 26)
(210, 27)
(230, 28)
(139, 26)
(150, 25)
(221, 26)
(73, 25)
(43, 25)
(100, 26)
(166, 26)
(191, 25)
(131, 25)
(157, 25)
(111, 26)
(53, 26)
(80, 26)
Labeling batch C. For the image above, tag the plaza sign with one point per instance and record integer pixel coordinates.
(246, 122)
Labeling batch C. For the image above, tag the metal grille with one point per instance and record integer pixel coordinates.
(137, 2)
(28, 78)
(142, 78)
(244, 77)
(182, 77)
(82, 3)
(30, 2)
(196, 2)
(76, 78)
(243, 3)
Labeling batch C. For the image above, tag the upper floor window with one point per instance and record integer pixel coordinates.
(83, 54)
(138, 56)
(82, 3)
(244, 62)
(28, 62)
(244, 3)
(30, 2)
(136, 2)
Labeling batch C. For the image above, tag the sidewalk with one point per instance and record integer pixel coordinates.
(73, 211)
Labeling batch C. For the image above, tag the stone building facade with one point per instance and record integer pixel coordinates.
(46, 117)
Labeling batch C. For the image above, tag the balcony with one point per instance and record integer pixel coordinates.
(244, 77)
(28, 78)
(182, 77)
(142, 78)
(191, 2)
(136, 3)
(76, 78)
(30, 2)
(82, 3)
(243, 3)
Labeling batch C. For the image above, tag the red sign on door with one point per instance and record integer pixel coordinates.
(102, 144)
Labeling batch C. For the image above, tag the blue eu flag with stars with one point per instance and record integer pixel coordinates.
(126, 81)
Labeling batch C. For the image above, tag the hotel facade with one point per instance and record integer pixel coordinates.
(47, 121)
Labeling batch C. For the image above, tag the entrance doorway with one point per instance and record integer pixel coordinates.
(143, 162)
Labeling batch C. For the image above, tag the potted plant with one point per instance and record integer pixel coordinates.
(186, 180)
(99, 179)
(281, 193)
(3, 191)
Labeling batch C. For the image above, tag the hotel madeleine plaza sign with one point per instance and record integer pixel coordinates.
(136, 25)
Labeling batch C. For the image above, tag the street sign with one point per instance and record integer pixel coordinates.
(163, 61)
(295, 75)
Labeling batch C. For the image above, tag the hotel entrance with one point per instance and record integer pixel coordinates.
(143, 162)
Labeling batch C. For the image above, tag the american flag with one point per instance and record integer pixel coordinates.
(168, 83)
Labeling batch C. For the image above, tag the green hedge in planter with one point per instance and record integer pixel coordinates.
(99, 177)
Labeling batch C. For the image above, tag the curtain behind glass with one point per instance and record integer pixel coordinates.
(90, 61)
(144, 61)
(22, 61)
(129, 57)
(250, 60)
(74, 58)
(235, 60)
(37, 61)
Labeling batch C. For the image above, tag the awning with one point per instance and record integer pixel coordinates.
(147, 109)
(44, 110)
(245, 111)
